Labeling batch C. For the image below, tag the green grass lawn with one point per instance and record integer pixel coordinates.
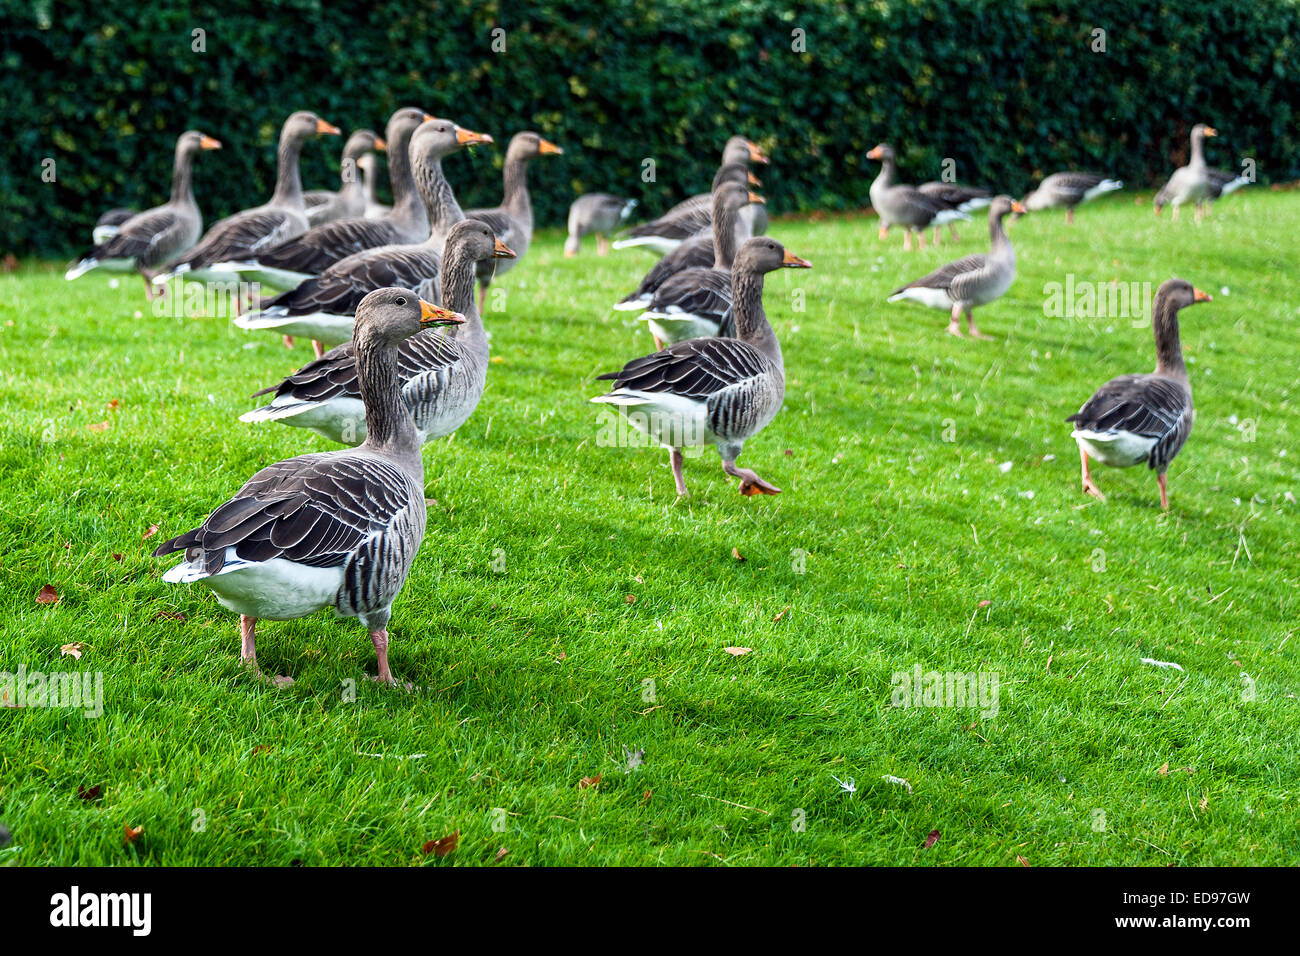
(564, 610)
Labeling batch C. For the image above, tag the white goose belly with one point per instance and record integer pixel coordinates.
(1119, 449)
(277, 590)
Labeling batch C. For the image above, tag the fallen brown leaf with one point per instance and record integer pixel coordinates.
(117, 556)
(737, 651)
(132, 834)
(72, 650)
(735, 553)
(444, 845)
(114, 405)
(932, 839)
(169, 616)
(1021, 860)
(984, 603)
(502, 854)
(645, 797)
(98, 426)
(47, 595)
(153, 530)
(1164, 770)
(88, 793)
(780, 614)
(630, 599)
(586, 782)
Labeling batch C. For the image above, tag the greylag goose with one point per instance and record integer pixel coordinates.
(323, 307)
(107, 225)
(314, 251)
(1136, 418)
(965, 198)
(334, 529)
(972, 280)
(324, 205)
(245, 233)
(1190, 183)
(900, 205)
(441, 374)
(1222, 183)
(145, 241)
(697, 302)
(1067, 190)
(599, 213)
(691, 216)
(698, 251)
(714, 391)
(512, 221)
(370, 178)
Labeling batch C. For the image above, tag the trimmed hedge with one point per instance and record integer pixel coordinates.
(1008, 89)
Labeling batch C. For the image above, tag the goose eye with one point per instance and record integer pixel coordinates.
(401, 300)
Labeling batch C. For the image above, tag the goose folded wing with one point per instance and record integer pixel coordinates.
(315, 510)
(341, 287)
(1073, 186)
(705, 292)
(695, 369)
(321, 246)
(239, 236)
(681, 222)
(141, 234)
(945, 276)
(1145, 405)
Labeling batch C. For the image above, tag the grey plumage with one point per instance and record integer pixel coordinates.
(349, 200)
(897, 204)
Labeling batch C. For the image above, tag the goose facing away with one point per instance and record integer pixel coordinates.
(441, 374)
(965, 198)
(315, 250)
(349, 202)
(370, 179)
(970, 281)
(107, 225)
(1136, 418)
(245, 233)
(1190, 183)
(713, 391)
(335, 529)
(598, 213)
(146, 240)
(512, 221)
(1067, 190)
(323, 307)
(691, 216)
(898, 204)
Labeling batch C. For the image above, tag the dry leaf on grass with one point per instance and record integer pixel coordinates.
(932, 839)
(169, 616)
(780, 614)
(586, 782)
(630, 599)
(131, 834)
(153, 530)
(737, 651)
(735, 553)
(1164, 770)
(98, 426)
(47, 595)
(72, 650)
(502, 854)
(1021, 860)
(114, 405)
(89, 793)
(443, 846)
(117, 556)
(984, 603)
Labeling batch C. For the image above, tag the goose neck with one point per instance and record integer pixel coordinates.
(288, 182)
(1169, 350)
(724, 233)
(183, 177)
(751, 321)
(458, 295)
(390, 431)
(439, 199)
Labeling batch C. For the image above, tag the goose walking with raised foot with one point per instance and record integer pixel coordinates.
(335, 529)
(714, 391)
(1137, 418)
(971, 281)
(897, 204)
(442, 374)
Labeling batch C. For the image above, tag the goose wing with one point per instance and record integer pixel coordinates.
(321, 246)
(946, 276)
(241, 236)
(682, 221)
(1151, 406)
(695, 369)
(340, 288)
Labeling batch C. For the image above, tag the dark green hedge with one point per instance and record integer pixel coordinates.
(1008, 88)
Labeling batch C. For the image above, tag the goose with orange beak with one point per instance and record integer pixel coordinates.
(713, 391)
(1137, 418)
(349, 202)
(1190, 183)
(959, 287)
(148, 239)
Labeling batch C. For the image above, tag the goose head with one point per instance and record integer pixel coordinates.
(478, 241)
(403, 123)
(764, 254)
(1003, 206)
(1178, 294)
(1201, 131)
(437, 138)
(734, 195)
(882, 152)
(362, 141)
(387, 317)
(530, 145)
(192, 142)
(305, 124)
(741, 150)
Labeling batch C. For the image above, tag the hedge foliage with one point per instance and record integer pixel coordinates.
(1009, 89)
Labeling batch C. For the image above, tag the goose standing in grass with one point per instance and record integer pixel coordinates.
(244, 233)
(691, 216)
(324, 205)
(323, 307)
(107, 225)
(697, 302)
(1067, 190)
(697, 252)
(315, 250)
(334, 529)
(370, 179)
(1190, 183)
(965, 198)
(145, 241)
(1136, 418)
(972, 280)
(714, 391)
(598, 213)
(898, 204)
(441, 373)
(1222, 183)
(512, 221)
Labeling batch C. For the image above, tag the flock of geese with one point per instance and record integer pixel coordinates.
(387, 295)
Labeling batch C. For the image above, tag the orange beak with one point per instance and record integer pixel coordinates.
(756, 154)
(1211, 131)
(755, 197)
(501, 251)
(1199, 296)
(467, 137)
(431, 315)
(323, 127)
(546, 148)
(207, 142)
(380, 145)
(754, 180)
(876, 153)
(791, 261)
(1017, 206)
